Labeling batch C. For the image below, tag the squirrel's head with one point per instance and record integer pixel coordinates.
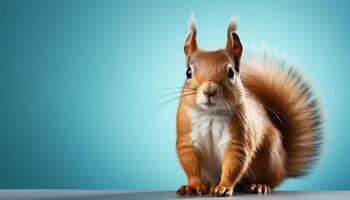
(212, 77)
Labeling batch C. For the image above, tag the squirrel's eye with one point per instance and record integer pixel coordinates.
(189, 73)
(230, 73)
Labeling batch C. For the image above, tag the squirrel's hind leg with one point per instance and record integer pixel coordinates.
(246, 186)
(257, 188)
(267, 169)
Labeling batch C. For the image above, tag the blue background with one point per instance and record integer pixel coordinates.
(77, 79)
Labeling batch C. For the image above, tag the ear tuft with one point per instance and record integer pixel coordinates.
(191, 42)
(193, 24)
(233, 24)
(233, 44)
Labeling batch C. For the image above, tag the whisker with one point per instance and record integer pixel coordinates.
(275, 114)
(194, 86)
(237, 111)
(241, 94)
(172, 99)
(228, 106)
(166, 95)
(166, 88)
(270, 108)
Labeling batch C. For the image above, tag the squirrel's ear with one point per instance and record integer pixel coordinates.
(233, 45)
(190, 46)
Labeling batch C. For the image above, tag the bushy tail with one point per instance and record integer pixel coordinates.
(291, 106)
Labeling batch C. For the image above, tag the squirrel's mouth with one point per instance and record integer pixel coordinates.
(209, 103)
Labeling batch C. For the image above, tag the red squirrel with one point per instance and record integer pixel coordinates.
(245, 125)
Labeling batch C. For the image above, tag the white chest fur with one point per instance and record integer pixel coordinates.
(210, 135)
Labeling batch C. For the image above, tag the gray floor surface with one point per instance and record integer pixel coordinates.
(148, 195)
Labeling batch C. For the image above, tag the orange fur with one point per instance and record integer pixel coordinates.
(273, 127)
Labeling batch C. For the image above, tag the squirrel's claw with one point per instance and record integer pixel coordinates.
(257, 189)
(187, 190)
(221, 191)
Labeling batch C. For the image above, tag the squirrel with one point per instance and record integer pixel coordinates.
(243, 126)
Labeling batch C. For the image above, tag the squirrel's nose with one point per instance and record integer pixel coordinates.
(210, 90)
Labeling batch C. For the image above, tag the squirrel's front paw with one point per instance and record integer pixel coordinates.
(221, 191)
(188, 190)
